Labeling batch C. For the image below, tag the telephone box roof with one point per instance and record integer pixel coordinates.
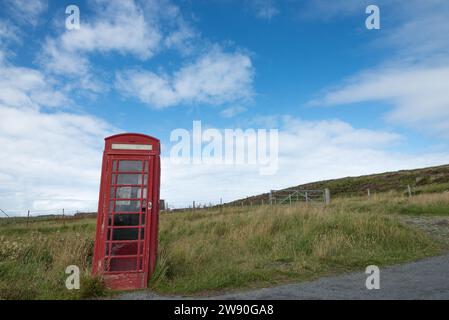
(115, 136)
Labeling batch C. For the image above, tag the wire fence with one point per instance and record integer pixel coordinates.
(42, 213)
(274, 197)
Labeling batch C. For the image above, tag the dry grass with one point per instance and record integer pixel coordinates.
(225, 249)
(269, 245)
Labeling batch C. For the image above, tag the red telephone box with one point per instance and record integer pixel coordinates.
(128, 209)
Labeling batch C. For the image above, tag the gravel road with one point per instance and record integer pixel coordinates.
(424, 279)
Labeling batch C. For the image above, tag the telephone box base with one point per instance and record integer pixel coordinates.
(125, 281)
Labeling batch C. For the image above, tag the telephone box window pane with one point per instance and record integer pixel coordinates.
(111, 207)
(124, 264)
(128, 192)
(125, 234)
(144, 193)
(146, 166)
(126, 220)
(127, 205)
(124, 249)
(131, 178)
(114, 165)
(130, 166)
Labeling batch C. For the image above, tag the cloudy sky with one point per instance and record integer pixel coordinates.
(346, 100)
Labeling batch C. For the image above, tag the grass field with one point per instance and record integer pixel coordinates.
(214, 250)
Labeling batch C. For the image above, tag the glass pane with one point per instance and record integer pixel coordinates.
(127, 205)
(128, 192)
(146, 166)
(124, 249)
(106, 249)
(125, 234)
(130, 165)
(111, 207)
(144, 193)
(132, 178)
(114, 165)
(112, 195)
(126, 220)
(125, 264)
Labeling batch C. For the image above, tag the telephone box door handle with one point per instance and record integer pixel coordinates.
(150, 205)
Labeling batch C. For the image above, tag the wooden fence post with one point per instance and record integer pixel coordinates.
(327, 196)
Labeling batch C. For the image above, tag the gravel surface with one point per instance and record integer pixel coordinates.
(425, 279)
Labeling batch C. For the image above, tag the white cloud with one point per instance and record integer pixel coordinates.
(122, 27)
(9, 34)
(232, 111)
(178, 33)
(28, 88)
(216, 77)
(414, 79)
(265, 9)
(309, 151)
(26, 11)
(419, 96)
(141, 29)
(144, 29)
(51, 160)
(416, 30)
(118, 26)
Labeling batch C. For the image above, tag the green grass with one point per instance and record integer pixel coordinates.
(395, 203)
(232, 248)
(432, 188)
(33, 258)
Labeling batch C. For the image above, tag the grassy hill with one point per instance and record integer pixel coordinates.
(425, 180)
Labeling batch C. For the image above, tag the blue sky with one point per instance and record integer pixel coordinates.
(346, 100)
